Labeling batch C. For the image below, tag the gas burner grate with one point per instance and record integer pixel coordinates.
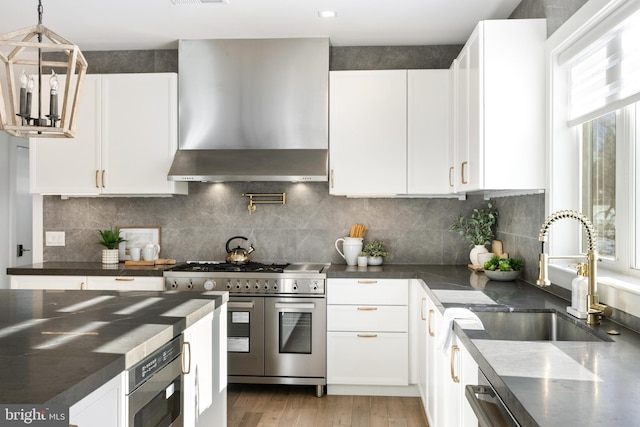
(212, 267)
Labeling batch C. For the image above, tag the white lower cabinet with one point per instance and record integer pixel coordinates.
(101, 283)
(104, 407)
(367, 333)
(205, 361)
(448, 371)
(49, 282)
(125, 283)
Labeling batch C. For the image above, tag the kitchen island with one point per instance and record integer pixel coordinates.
(57, 347)
(543, 383)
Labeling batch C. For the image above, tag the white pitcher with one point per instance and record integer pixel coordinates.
(150, 251)
(352, 246)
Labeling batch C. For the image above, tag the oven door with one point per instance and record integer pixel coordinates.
(245, 336)
(295, 337)
(158, 402)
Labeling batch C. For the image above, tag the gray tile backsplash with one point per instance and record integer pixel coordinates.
(196, 226)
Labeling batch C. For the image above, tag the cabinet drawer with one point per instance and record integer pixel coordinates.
(125, 283)
(368, 291)
(48, 282)
(367, 358)
(385, 318)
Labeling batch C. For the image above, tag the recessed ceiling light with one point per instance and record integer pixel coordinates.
(327, 13)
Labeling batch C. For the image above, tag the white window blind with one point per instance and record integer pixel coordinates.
(605, 75)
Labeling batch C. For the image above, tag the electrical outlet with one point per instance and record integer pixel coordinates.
(54, 238)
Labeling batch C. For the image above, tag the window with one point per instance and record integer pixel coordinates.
(599, 180)
(594, 163)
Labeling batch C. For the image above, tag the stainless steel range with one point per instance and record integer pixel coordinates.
(276, 324)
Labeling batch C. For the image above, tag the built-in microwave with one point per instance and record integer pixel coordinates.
(154, 392)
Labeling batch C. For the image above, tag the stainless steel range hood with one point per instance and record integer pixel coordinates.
(253, 110)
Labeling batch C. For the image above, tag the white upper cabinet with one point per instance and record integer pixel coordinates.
(428, 142)
(388, 132)
(126, 138)
(368, 132)
(499, 107)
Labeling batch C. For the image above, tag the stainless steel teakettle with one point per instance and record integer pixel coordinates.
(239, 255)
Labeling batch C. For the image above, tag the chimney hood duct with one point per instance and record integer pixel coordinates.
(253, 110)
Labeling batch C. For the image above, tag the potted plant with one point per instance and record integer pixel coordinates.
(504, 269)
(110, 240)
(374, 252)
(478, 229)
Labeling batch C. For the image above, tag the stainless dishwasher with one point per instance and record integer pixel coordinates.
(487, 405)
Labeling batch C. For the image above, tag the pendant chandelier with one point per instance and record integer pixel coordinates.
(41, 78)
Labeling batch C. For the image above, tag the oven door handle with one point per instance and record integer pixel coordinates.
(485, 419)
(235, 304)
(295, 305)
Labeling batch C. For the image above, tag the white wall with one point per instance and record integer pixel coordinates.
(5, 257)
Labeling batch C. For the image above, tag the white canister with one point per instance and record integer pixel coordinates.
(352, 246)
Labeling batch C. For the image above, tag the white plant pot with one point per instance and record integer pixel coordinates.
(374, 260)
(473, 255)
(110, 256)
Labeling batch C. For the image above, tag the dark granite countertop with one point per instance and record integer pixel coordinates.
(56, 347)
(544, 383)
(63, 268)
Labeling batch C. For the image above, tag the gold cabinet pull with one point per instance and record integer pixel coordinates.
(103, 171)
(331, 178)
(454, 350)
(422, 302)
(367, 282)
(463, 169)
(451, 177)
(367, 335)
(429, 323)
(83, 286)
(97, 173)
(367, 308)
(125, 279)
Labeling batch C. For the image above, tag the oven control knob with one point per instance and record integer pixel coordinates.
(190, 285)
(275, 285)
(247, 286)
(237, 284)
(209, 285)
(174, 285)
(257, 285)
(228, 285)
(266, 286)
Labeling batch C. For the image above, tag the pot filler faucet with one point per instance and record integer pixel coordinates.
(595, 309)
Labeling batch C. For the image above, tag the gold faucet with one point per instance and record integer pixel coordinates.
(595, 308)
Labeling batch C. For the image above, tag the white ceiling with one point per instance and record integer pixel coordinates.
(158, 24)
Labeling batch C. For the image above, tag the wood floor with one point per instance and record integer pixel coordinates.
(270, 405)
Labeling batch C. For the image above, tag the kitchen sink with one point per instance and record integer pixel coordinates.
(536, 326)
